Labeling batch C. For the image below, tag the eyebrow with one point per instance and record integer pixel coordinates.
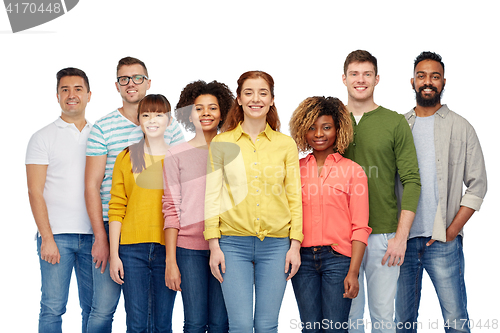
(77, 86)
(424, 72)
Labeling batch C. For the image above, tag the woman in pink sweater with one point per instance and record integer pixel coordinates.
(335, 215)
(202, 109)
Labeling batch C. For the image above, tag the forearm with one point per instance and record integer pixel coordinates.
(115, 228)
(94, 209)
(357, 253)
(404, 225)
(171, 245)
(94, 174)
(41, 216)
(459, 221)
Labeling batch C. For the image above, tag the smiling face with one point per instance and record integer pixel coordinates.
(360, 80)
(255, 98)
(322, 134)
(154, 124)
(72, 96)
(205, 114)
(132, 93)
(428, 82)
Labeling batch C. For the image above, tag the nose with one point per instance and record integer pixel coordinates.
(318, 132)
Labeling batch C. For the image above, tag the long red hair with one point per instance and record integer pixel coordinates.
(235, 115)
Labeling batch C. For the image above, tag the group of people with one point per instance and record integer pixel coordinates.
(230, 216)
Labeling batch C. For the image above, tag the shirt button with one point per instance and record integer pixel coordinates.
(254, 151)
(255, 176)
(255, 163)
(257, 205)
(258, 219)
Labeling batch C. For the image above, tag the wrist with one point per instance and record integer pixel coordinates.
(294, 244)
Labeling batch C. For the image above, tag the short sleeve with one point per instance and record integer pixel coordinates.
(38, 150)
(96, 144)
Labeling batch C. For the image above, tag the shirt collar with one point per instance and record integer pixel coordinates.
(61, 123)
(336, 157)
(442, 112)
(268, 132)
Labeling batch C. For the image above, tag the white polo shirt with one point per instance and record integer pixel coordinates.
(62, 146)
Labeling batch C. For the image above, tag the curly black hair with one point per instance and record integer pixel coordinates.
(194, 89)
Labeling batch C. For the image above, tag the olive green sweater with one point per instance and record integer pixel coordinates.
(383, 146)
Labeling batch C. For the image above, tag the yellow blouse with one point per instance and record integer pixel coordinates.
(136, 200)
(253, 188)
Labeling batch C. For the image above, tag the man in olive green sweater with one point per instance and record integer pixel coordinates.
(383, 146)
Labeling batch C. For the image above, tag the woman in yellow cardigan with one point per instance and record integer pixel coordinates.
(136, 237)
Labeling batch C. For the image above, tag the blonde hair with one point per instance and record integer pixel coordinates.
(310, 110)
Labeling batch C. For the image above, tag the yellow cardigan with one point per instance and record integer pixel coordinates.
(136, 200)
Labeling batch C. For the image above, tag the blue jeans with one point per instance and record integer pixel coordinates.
(144, 277)
(381, 284)
(105, 299)
(319, 289)
(251, 261)
(204, 308)
(75, 251)
(444, 262)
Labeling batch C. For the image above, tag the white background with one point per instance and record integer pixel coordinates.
(301, 44)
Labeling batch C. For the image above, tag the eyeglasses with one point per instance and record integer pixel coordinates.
(137, 79)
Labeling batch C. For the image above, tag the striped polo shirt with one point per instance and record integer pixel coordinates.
(113, 133)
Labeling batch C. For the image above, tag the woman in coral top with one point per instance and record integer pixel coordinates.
(136, 238)
(202, 108)
(335, 216)
(253, 210)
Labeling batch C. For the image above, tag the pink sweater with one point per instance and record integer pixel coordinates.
(184, 194)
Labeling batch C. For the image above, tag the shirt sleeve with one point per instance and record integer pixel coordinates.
(474, 173)
(173, 134)
(37, 151)
(96, 143)
(293, 191)
(213, 191)
(171, 200)
(119, 199)
(359, 207)
(407, 166)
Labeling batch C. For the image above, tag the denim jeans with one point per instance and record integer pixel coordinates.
(105, 299)
(251, 261)
(381, 284)
(444, 262)
(204, 308)
(319, 289)
(75, 251)
(144, 277)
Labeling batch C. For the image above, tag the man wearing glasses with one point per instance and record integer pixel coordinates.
(109, 136)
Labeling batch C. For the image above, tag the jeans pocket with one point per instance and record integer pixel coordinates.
(335, 253)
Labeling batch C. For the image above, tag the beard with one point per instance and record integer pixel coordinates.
(427, 101)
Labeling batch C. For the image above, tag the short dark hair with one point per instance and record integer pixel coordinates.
(71, 71)
(128, 61)
(360, 56)
(194, 89)
(427, 55)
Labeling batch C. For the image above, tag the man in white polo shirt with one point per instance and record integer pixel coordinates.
(55, 167)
